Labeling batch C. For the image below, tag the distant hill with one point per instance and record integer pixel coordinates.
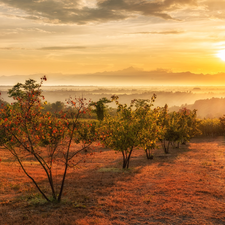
(206, 108)
(126, 77)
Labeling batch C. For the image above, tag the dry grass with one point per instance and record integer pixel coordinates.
(185, 187)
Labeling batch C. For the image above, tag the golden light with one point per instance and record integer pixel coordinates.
(221, 54)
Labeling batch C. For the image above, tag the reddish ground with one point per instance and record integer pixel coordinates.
(184, 187)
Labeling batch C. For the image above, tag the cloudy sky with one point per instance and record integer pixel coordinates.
(86, 36)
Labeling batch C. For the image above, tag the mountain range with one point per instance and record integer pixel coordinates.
(127, 77)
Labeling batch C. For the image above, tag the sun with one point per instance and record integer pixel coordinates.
(221, 54)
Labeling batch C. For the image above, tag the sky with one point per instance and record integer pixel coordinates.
(88, 36)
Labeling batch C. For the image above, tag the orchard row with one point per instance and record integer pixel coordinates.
(46, 138)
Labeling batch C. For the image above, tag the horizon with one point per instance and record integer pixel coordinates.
(130, 69)
(131, 76)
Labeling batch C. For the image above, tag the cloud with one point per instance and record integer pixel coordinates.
(61, 48)
(12, 48)
(53, 48)
(216, 5)
(162, 32)
(75, 12)
(215, 9)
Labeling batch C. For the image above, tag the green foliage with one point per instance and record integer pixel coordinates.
(100, 107)
(24, 90)
(55, 108)
(178, 127)
(86, 132)
(124, 132)
(212, 127)
(151, 130)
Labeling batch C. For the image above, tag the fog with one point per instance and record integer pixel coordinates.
(174, 96)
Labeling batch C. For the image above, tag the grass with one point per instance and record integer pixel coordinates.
(186, 188)
(114, 170)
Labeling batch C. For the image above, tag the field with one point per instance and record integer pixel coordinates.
(186, 186)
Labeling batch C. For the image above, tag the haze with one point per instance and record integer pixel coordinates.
(209, 101)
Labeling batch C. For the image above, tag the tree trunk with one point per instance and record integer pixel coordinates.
(126, 158)
(148, 153)
(166, 146)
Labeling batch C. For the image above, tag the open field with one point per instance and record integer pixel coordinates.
(184, 187)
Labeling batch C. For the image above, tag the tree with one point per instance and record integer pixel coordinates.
(178, 127)
(29, 134)
(164, 122)
(21, 90)
(100, 107)
(123, 132)
(188, 125)
(151, 133)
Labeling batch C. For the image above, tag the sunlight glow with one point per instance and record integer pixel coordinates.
(221, 54)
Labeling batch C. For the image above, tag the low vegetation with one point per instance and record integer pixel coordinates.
(48, 140)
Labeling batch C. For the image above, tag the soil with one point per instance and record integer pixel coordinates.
(186, 186)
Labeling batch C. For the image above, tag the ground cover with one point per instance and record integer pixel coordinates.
(186, 186)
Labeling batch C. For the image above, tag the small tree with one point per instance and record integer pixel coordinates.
(124, 131)
(30, 134)
(189, 125)
(164, 122)
(178, 127)
(100, 107)
(151, 131)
